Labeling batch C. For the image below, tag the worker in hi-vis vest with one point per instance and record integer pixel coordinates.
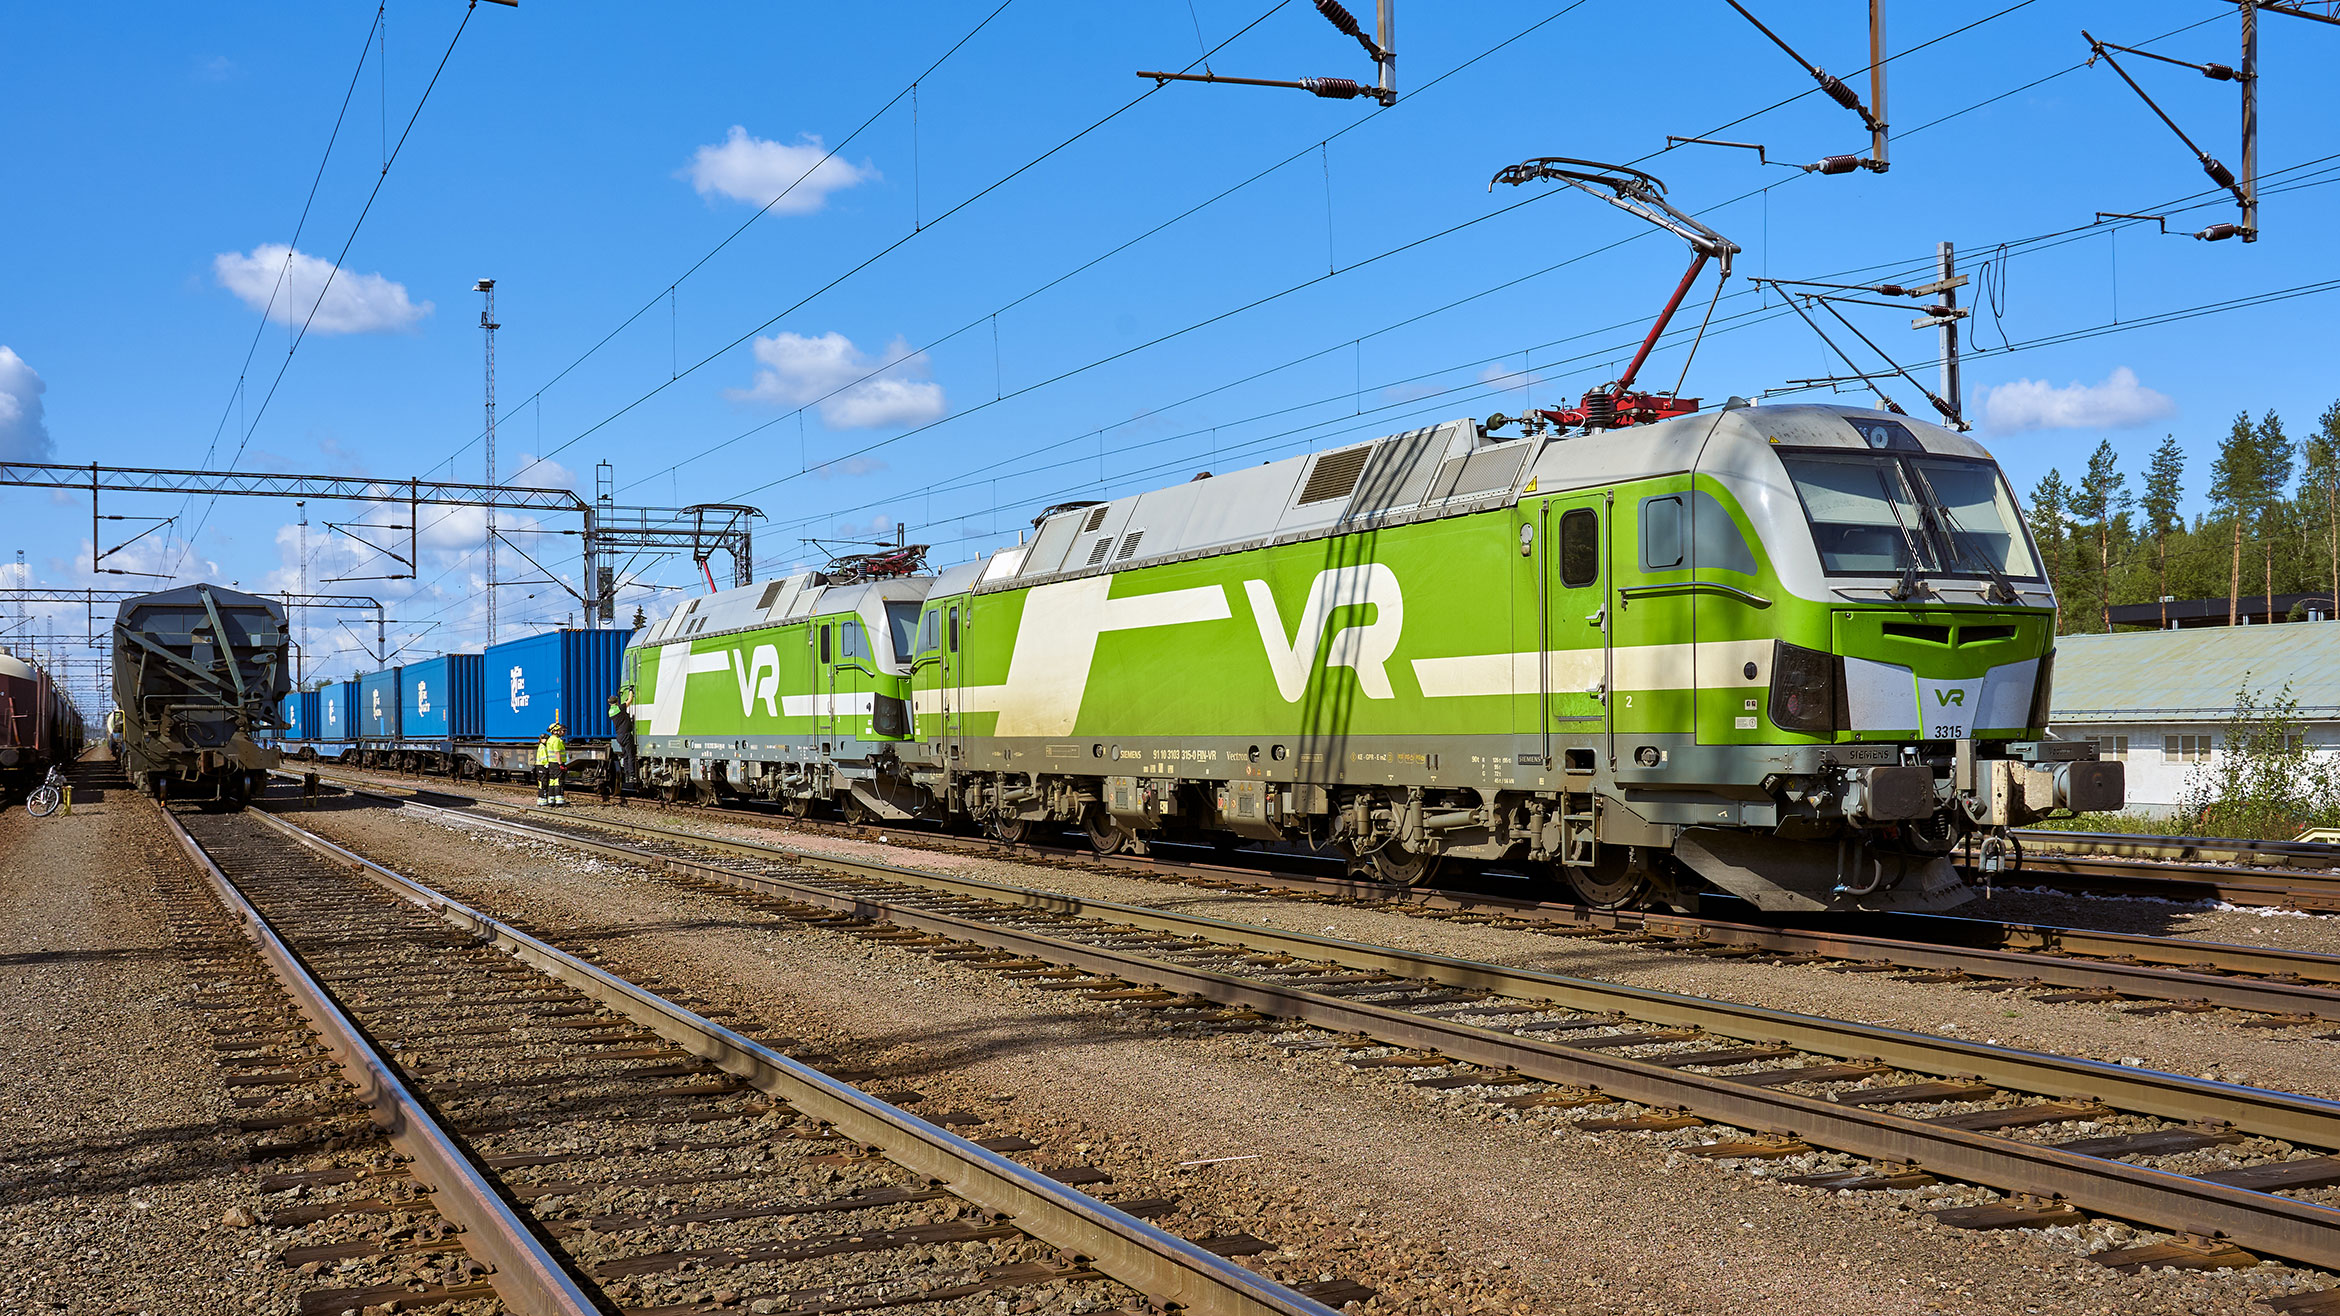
(552, 755)
(621, 729)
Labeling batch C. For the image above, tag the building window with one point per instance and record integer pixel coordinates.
(2185, 749)
(2113, 747)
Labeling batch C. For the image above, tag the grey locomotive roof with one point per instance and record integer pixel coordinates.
(1440, 470)
(771, 602)
(2192, 675)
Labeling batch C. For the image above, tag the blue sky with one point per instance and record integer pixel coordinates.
(590, 157)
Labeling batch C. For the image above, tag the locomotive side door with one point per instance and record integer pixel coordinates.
(954, 675)
(825, 685)
(1579, 669)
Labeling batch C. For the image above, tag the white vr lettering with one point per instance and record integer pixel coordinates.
(759, 678)
(1361, 649)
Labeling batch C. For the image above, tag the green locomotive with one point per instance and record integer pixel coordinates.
(1797, 653)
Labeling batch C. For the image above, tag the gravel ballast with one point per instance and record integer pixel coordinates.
(1441, 1201)
(122, 1164)
(2218, 1045)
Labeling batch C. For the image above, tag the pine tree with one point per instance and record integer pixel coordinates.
(2163, 487)
(2101, 499)
(2275, 456)
(2234, 489)
(2319, 481)
(2049, 500)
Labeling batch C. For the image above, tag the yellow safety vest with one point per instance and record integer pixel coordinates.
(551, 750)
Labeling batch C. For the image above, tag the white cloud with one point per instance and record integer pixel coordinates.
(753, 170)
(24, 436)
(354, 303)
(797, 371)
(2034, 404)
(880, 526)
(849, 466)
(1508, 379)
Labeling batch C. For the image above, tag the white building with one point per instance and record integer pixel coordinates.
(2158, 700)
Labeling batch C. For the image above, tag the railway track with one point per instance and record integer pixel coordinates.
(570, 1142)
(2187, 849)
(2146, 974)
(2254, 874)
(2230, 1172)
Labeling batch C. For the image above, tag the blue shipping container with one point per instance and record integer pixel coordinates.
(299, 710)
(563, 675)
(337, 711)
(439, 699)
(378, 705)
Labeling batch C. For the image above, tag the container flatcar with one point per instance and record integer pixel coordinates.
(1800, 654)
(199, 674)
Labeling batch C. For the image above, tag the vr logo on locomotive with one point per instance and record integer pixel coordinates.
(759, 678)
(1361, 649)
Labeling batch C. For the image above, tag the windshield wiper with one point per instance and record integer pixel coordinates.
(2002, 588)
(1910, 584)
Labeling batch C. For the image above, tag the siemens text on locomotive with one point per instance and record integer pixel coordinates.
(198, 671)
(1797, 653)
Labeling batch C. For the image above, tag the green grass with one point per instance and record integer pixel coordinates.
(2134, 824)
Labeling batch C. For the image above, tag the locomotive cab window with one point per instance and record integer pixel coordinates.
(1886, 513)
(1661, 533)
(902, 625)
(851, 641)
(930, 634)
(954, 628)
(825, 642)
(1580, 547)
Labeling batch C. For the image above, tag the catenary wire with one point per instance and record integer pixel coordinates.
(335, 269)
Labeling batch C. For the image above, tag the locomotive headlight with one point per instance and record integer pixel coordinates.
(1803, 689)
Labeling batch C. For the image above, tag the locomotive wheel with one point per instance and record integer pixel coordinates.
(856, 812)
(1398, 866)
(798, 806)
(1609, 884)
(1105, 835)
(1011, 830)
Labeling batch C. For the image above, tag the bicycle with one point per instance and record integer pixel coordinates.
(45, 797)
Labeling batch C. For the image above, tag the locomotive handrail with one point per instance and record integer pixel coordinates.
(1693, 587)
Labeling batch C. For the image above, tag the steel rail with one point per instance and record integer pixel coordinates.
(2268, 888)
(2203, 849)
(2286, 982)
(526, 1274)
(2294, 983)
(2265, 1222)
(1113, 1242)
